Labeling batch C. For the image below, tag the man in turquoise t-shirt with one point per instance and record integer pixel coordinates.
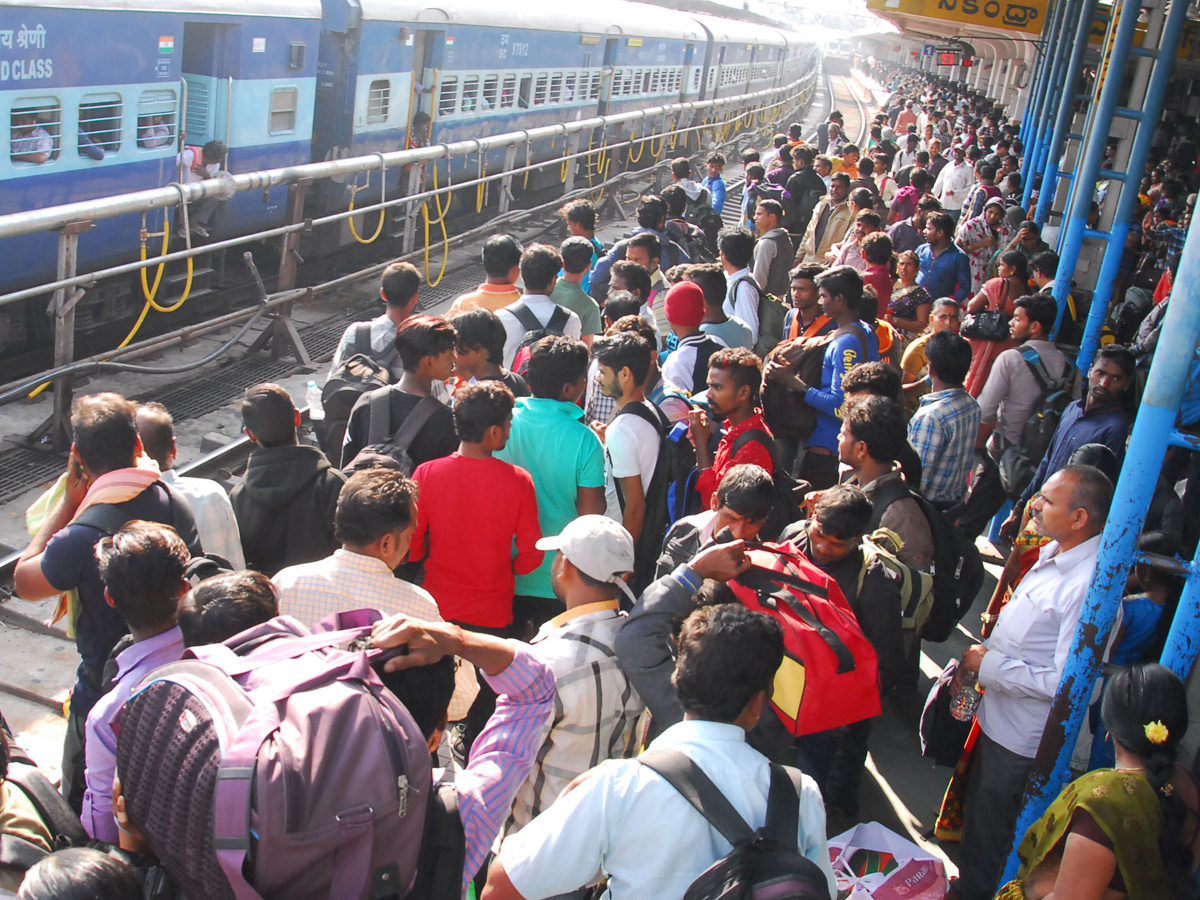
(565, 457)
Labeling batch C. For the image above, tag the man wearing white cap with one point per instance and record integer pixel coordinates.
(596, 708)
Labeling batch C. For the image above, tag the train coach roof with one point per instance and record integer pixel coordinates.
(733, 31)
(289, 9)
(614, 18)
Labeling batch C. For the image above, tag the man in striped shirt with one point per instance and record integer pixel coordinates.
(595, 706)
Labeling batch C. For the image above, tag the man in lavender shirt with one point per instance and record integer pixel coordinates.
(142, 567)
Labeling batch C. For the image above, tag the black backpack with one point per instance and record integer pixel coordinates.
(361, 372)
(17, 852)
(534, 331)
(391, 452)
(786, 508)
(763, 862)
(1018, 462)
(957, 568)
(656, 519)
(695, 244)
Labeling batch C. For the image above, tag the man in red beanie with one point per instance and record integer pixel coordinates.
(734, 377)
(687, 366)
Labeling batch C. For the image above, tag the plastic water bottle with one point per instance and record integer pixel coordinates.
(965, 696)
(316, 412)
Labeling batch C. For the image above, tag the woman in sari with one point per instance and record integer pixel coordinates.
(981, 236)
(1129, 831)
(908, 308)
(998, 294)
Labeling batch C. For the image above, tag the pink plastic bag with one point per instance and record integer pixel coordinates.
(872, 862)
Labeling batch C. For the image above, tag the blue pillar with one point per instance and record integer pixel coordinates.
(1147, 118)
(1029, 119)
(1088, 167)
(1036, 112)
(1139, 474)
(1066, 110)
(1055, 95)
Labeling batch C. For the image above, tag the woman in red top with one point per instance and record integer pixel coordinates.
(999, 293)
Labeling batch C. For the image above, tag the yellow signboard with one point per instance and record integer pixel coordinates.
(1011, 15)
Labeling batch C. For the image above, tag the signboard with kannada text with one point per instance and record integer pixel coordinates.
(1010, 15)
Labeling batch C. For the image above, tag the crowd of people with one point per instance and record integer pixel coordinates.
(556, 498)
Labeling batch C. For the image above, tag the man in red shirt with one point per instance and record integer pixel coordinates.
(471, 508)
(734, 378)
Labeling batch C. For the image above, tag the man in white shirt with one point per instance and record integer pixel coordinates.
(626, 822)
(631, 438)
(1021, 664)
(741, 299)
(215, 522)
(375, 519)
(953, 183)
(398, 288)
(540, 265)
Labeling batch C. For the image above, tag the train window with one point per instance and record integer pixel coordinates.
(448, 97)
(156, 119)
(526, 91)
(556, 83)
(508, 92)
(491, 92)
(539, 92)
(697, 74)
(597, 81)
(470, 93)
(99, 125)
(34, 130)
(379, 99)
(569, 88)
(284, 103)
(655, 81)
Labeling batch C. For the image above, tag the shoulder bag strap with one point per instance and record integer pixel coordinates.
(381, 416)
(1038, 369)
(689, 780)
(362, 338)
(19, 854)
(885, 497)
(416, 420)
(783, 806)
(51, 807)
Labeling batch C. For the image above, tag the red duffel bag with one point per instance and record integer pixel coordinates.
(830, 674)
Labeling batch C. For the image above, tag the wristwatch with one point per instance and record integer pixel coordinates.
(988, 618)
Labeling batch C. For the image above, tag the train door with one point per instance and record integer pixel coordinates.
(689, 66)
(718, 71)
(609, 67)
(210, 69)
(428, 44)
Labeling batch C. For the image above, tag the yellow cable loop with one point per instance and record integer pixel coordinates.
(481, 188)
(629, 157)
(528, 159)
(661, 141)
(429, 280)
(149, 292)
(354, 189)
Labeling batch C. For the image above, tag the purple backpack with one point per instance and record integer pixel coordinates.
(277, 765)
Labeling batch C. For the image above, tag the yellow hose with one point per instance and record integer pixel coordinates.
(630, 158)
(481, 188)
(429, 280)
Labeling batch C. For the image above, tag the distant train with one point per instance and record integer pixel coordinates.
(100, 97)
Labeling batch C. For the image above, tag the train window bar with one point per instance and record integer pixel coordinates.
(99, 125)
(156, 117)
(508, 92)
(285, 101)
(470, 95)
(35, 126)
(448, 97)
(556, 82)
(379, 99)
(491, 91)
(569, 88)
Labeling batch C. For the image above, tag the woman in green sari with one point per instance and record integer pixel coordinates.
(1129, 831)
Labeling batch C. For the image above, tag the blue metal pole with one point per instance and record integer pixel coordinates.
(1156, 91)
(1143, 463)
(1030, 117)
(1066, 111)
(1183, 640)
(1042, 100)
(1088, 166)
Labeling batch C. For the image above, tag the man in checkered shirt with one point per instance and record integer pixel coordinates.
(595, 707)
(944, 428)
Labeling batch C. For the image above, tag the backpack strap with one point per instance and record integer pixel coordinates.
(783, 806)
(108, 518)
(381, 416)
(52, 809)
(752, 434)
(416, 420)
(682, 773)
(362, 338)
(525, 316)
(559, 320)
(443, 849)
